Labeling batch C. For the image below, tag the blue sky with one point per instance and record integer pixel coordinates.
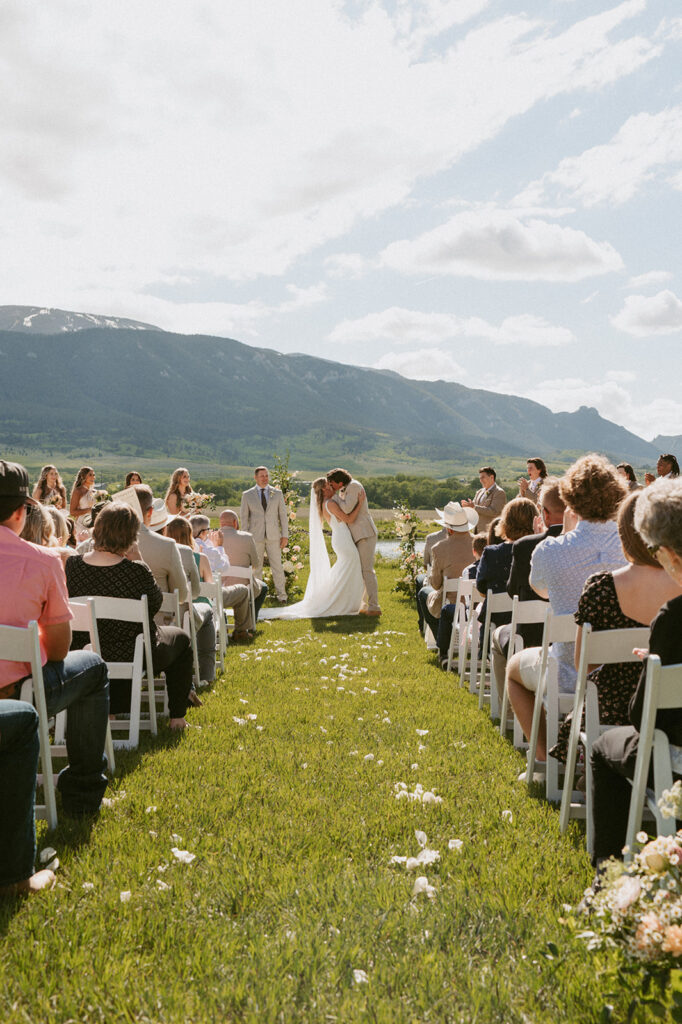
(485, 191)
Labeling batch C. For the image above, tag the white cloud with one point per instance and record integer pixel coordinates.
(409, 326)
(653, 277)
(423, 364)
(232, 139)
(612, 173)
(495, 244)
(302, 297)
(643, 315)
(346, 264)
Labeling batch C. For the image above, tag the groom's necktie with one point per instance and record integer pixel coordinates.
(263, 500)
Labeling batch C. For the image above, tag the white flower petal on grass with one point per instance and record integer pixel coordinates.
(507, 816)
(184, 856)
(88, 886)
(421, 885)
(175, 837)
(431, 798)
(380, 762)
(397, 859)
(386, 721)
(238, 721)
(153, 834)
(53, 865)
(411, 864)
(47, 854)
(360, 977)
(251, 718)
(455, 844)
(414, 766)
(243, 701)
(401, 794)
(421, 748)
(161, 885)
(150, 809)
(428, 856)
(420, 837)
(368, 757)
(353, 753)
(304, 765)
(422, 732)
(125, 896)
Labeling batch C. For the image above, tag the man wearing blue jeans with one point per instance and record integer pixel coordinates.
(33, 587)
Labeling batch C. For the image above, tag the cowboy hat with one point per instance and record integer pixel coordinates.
(160, 515)
(456, 518)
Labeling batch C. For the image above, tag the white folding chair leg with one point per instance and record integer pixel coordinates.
(45, 755)
(190, 627)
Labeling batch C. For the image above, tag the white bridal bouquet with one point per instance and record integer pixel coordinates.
(195, 501)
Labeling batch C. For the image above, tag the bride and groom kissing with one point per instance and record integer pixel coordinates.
(349, 587)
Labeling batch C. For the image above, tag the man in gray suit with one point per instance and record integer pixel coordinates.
(489, 501)
(347, 493)
(263, 514)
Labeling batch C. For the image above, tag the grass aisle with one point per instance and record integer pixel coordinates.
(292, 818)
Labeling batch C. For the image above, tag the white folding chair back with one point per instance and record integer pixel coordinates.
(247, 574)
(214, 592)
(170, 605)
(448, 595)
(493, 603)
(140, 670)
(85, 621)
(558, 629)
(459, 637)
(524, 613)
(17, 644)
(663, 692)
(604, 647)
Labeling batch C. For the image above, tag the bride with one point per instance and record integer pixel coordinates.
(332, 590)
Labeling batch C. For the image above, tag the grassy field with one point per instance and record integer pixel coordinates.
(291, 909)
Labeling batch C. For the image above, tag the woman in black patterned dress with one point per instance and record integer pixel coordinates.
(115, 569)
(624, 599)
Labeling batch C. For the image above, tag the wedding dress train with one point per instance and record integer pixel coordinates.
(332, 590)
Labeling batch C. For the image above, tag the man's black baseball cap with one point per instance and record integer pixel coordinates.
(14, 482)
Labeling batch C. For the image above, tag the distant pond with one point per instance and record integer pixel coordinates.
(391, 548)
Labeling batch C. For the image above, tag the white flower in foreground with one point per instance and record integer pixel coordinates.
(414, 766)
(421, 885)
(420, 837)
(360, 977)
(259, 728)
(422, 732)
(184, 856)
(455, 844)
(428, 856)
(421, 748)
(161, 885)
(125, 896)
(507, 816)
(386, 721)
(411, 864)
(47, 854)
(150, 809)
(238, 721)
(252, 717)
(380, 762)
(88, 886)
(402, 794)
(353, 753)
(431, 798)
(397, 859)
(368, 757)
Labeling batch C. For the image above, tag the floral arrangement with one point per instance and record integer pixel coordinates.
(406, 524)
(195, 501)
(637, 910)
(100, 495)
(292, 554)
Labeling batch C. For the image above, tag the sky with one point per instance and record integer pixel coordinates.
(484, 191)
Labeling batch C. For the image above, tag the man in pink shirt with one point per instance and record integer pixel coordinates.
(33, 586)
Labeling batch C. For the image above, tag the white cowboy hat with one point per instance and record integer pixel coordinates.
(456, 518)
(160, 515)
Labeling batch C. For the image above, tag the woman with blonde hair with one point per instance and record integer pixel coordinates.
(178, 487)
(83, 493)
(50, 490)
(39, 527)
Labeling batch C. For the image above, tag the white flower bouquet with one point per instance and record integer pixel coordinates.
(195, 501)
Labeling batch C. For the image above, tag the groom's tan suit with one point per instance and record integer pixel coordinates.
(364, 533)
(267, 527)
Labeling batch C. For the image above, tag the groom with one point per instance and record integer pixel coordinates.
(347, 493)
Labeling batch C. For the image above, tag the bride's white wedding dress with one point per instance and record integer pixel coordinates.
(332, 590)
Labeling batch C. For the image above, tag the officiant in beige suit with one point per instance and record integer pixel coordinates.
(490, 500)
(347, 492)
(263, 514)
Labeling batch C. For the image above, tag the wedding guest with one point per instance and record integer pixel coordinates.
(537, 472)
(33, 587)
(133, 478)
(592, 490)
(658, 519)
(235, 595)
(628, 473)
(86, 527)
(493, 535)
(50, 490)
(622, 599)
(178, 487)
(240, 548)
(62, 534)
(179, 530)
(448, 558)
(160, 553)
(548, 523)
(490, 500)
(667, 466)
(82, 493)
(39, 527)
(420, 579)
(115, 569)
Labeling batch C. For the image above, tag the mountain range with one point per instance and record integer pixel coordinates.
(70, 380)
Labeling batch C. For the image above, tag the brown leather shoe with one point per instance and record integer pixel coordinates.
(373, 613)
(242, 637)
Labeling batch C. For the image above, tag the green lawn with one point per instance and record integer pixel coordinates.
(293, 828)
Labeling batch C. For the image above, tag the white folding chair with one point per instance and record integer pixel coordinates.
(604, 647)
(214, 592)
(448, 595)
(245, 573)
(139, 670)
(18, 644)
(493, 603)
(524, 613)
(473, 633)
(663, 691)
(459, 636)
(85, 621)
(558, 629)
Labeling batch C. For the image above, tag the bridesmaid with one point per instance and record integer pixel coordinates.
(83, 493)
(50, 490)
(133, 478)
(178, 487)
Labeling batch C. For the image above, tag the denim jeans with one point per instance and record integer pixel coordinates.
(80, 684)
(19, 746)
